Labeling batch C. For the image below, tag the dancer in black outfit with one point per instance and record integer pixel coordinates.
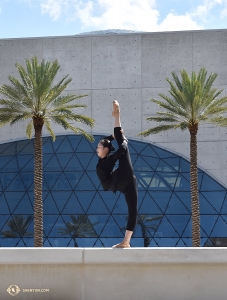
(122, 178)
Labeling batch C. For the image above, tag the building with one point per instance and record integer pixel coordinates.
(132, 68)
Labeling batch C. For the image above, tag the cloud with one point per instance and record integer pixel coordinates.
(54, 8)
(141, 15)
(130, 14)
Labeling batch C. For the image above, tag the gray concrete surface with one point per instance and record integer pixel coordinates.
(97, 273)
(131, 68)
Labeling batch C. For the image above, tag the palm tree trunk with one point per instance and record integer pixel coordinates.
(38, 180)
(194, 190)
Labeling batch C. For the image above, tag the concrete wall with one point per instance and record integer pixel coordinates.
(110, 274)
(131, 68)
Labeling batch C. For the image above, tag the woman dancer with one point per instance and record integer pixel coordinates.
(122, 178)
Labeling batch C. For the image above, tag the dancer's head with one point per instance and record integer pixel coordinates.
(104, 148)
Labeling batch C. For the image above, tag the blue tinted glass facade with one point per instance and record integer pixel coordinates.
(77, 212)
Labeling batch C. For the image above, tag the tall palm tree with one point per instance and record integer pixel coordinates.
(18, 227)
(192, 101)
(79, 227)
(37, 97)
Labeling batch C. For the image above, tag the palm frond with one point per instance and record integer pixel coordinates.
(29, 129)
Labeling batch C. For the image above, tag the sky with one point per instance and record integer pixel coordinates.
(37, 18)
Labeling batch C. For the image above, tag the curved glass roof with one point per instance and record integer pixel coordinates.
(77, 212)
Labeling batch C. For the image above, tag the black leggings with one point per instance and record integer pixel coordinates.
(126, 182)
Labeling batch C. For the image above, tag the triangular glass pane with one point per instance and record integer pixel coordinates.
(49, 205)
(99, 222)
(108, 198)
(179, 223)
(216, 199)
(163, 153)
(187, 232)
(182, 183)
(184, 165)
(49, 178)
(185, 197)
(172, 163)
(84, 183)
(84, 159)
(209, 184)
(181, 243)
(220, 228)
(59, 140)
(48, 223)
(10, 149)
(121, 205)
(12, 165)
(25, 147)
(98, 244)
(148, 206)
(13, 199)
(158, 182)
(4, 160)
(136, 147)
(165, 229)
(52, 165)
(62, 183)
(207, 223)
(85, 199)
(3, 221)
(161, 198)
(65, 147)
(165, 166)
(46, 243)
(224, 207)
(47, 146)
(72, 206)
(111, 229)
(166, 242)
(27, 179)
(74, 141)
(141, 164)
(97, 206)
(148, 152)
(121, 222)
(4, 206)
(74, 164)
(94, 179)
(25, 161)
(60, 198)
(4, 148)
(173, 180)
(25, 205)
(56, 225)
(205, 206)
(84, 146)
(64, 159)
(176, 206)
(144, 178)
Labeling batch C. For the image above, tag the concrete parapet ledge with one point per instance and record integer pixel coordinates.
(113, 256)
(110, 274)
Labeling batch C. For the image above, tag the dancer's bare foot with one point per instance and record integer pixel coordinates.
(116, 108)
(122, 245)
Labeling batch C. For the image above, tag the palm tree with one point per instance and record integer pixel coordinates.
(141, 220)
(192, 101)
(18, 227)
(79, 227)
(38, 98)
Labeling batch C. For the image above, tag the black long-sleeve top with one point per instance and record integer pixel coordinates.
(104, 168)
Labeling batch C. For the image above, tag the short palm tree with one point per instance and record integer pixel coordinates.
(192, 101)
(18, 227)
(39, 99)
(79, 227)
(141, 221)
